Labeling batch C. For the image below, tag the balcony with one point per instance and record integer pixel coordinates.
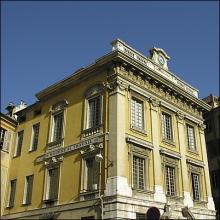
(91, 131)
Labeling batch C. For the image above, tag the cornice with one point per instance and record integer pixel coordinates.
(105, 62)
(154, 76)
(77, 76)
(8, 120)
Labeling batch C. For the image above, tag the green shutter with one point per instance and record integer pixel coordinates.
(54, 183)
(29, 188)
(12, 193)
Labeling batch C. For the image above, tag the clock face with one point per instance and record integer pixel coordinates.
(161, 60)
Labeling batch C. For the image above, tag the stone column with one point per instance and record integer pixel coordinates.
(117, 183)
(159, 194)
(210, 204)
(185, 179)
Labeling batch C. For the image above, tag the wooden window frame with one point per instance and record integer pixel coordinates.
(33, 138)
(169, 161)
(28, 189)
(19, 143)
(10, 200)
(141, 152)
(58, 108)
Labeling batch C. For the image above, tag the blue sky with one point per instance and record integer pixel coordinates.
(43, 42)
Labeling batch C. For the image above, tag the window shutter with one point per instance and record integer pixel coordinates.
(19, 143)
(29, 188)
(12, 194)
(89, 164)
(54, 183)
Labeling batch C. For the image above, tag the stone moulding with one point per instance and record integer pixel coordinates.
(164, 91)
(139, 142)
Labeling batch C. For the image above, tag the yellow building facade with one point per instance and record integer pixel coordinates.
(7, 132)
(121, 138)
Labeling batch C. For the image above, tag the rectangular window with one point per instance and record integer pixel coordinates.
(138, 172)
(92, 174)
(170, 180)
(195, 186)
(94, 112)
(191, 137)
(28, 189)
(12, 193)
(167, 127)
(137, 114)
(19, 143)
(35, 136)
(57, 126)
(2, 137)
(53, 184)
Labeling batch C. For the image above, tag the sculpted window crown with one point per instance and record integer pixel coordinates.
(202, 126)
(154, 102)
(180, 115)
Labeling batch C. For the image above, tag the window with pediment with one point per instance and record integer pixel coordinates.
(57, 123)
(170, 172)
(93, 110)
(196, 177)
(139, 157)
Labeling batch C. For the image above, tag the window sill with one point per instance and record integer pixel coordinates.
(16, 156)
(30, 151)
(139, 130)
(10, 207)
(174, 197)
(54, 144)
(91, 131)
(195, 152)
(169, 142)
(26, 204)
(48, 201)
(88, 195)
(142, 191)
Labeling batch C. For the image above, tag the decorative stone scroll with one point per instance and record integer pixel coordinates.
(180, 115)
(116, 84)
(202, 126)
(154, 102)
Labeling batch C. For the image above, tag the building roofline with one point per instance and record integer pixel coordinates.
(8, 118)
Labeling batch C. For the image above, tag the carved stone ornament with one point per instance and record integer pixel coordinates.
(92, 148)
(112, 86)
(154, 102)
(180, 115)
(202, 126)
(59, 105)
(96, 89)
(53, 161)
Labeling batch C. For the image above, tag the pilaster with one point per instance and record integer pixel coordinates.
(159, 194)
(117, 183)
(210, 204)
(185, 180)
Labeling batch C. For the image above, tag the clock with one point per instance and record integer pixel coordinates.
(161, 60)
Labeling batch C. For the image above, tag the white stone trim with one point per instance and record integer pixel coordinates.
(187, 201)
(194, 162)
(117, 185)
(159, 194)
(211, 204)
(169, 153)
(137, 141)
